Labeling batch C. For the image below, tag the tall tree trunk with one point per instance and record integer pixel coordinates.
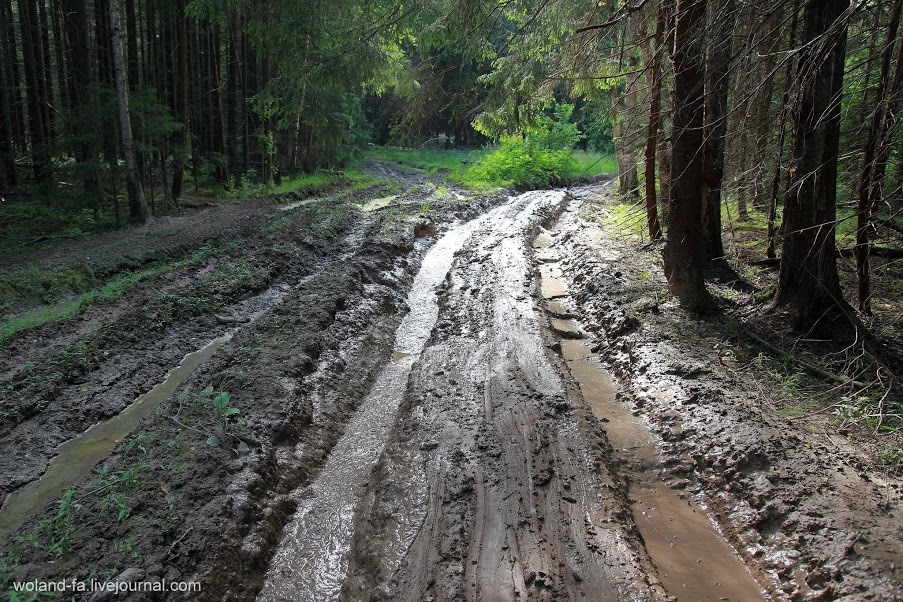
(764, 123)
(59, 50)
(782, 130)
(131, 24)
(8, 173)
(81, 96)
(875, 153)
(234, 109)
(628, 181)
(717, 84)
(31, 56)
(106, 76)
(180, 141)
(48, 105)
(808, 284)
(11, 60)
(655, 121)
(216, 97)
(683, 251)
(137, 204)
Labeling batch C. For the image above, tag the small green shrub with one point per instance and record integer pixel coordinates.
(542, 156)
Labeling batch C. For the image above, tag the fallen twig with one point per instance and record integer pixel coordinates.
(178, 541)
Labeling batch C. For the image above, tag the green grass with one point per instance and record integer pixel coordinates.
(108, 292)
(456, 165)
(590, 163)
(301, 184)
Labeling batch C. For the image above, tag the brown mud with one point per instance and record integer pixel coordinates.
(439, 399)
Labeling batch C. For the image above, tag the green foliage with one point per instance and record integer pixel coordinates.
(221, 403)
(222, 408)
(299, 185)
(57, 534)
(540, 157)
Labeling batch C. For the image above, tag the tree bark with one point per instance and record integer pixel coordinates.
(80, 95)
(683, 251)
(8, 173)
(808, 284)
(874, 162)
(782, 130)
(137, 204)
(717, 84)
(31, 56)
(655, 120)
(180, 140)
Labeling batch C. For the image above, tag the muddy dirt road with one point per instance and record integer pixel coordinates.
(470, 471)
(440, 398)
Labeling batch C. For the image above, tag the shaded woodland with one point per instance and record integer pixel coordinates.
(712, 107)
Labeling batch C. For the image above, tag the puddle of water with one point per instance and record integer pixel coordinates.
(543, 241)
(693, 560)
(557, 309)
(311, 561)
(296, 204)
(378, 203)
(567, 328)
(551, 285)
(77, 457)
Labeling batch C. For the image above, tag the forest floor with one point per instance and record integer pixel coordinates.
(438, 396)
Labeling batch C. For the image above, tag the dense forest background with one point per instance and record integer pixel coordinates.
(719, 109)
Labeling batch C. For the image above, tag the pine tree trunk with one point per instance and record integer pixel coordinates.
(180, 140)
(683, 251)
(8, 173)
(875, 155)
(655, 120)
(46, 82)
(782, 130)
(717, 84)
(31, 55)
(218, 121)
(808, 284)
(137, 204)
(80, 94)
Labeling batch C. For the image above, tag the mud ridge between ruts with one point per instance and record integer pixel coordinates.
(213, 513)
(489, 487)
(60, 379)
(813, 518)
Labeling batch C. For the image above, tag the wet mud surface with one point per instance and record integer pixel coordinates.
(459, 403)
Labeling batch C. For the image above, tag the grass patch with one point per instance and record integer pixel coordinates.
(461, 166)
(110, 291)
(302, 184)
(453, 164)
(591, 163)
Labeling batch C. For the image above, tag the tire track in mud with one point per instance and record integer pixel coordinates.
(691, 556)
(52, 469)
(487, 488)
(309, 564)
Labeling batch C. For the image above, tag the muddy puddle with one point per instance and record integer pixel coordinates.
(378, 203)
(311, 561)
(77, 457)
(301, 203)
(693, 560)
